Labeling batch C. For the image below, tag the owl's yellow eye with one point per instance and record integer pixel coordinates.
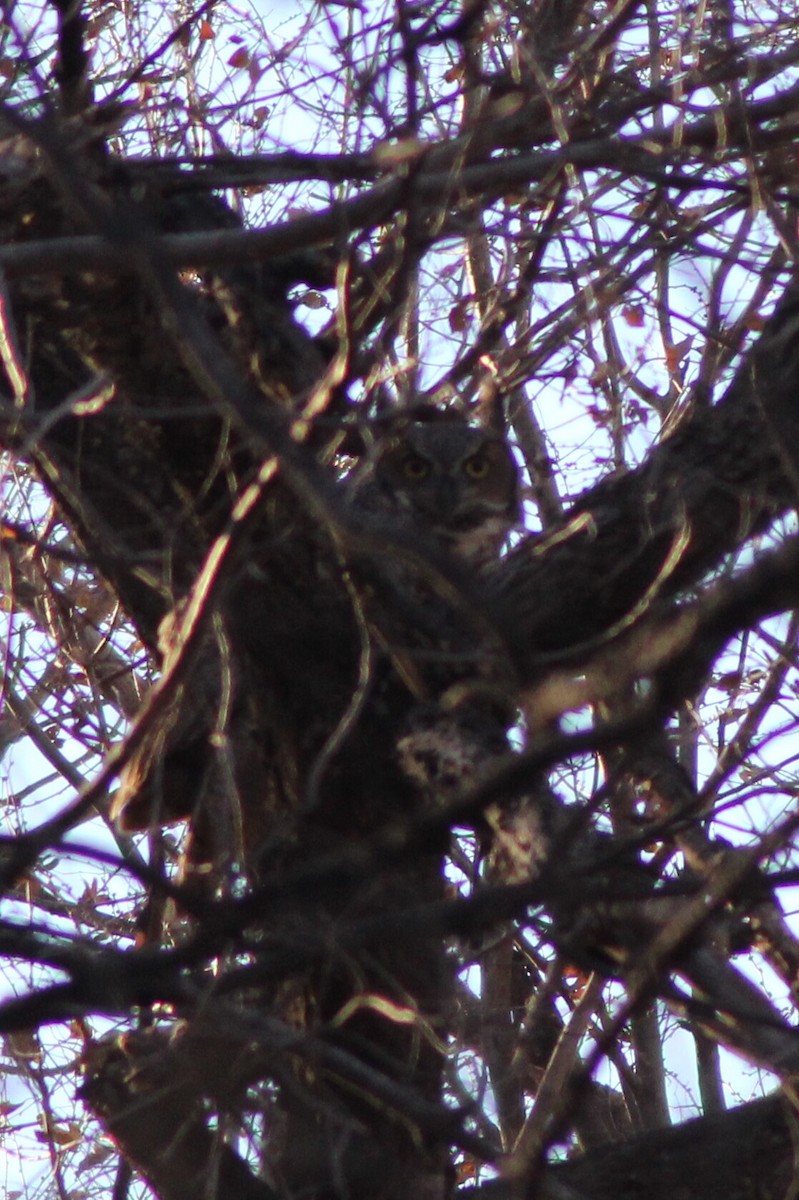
(476, 467)
(415, 467)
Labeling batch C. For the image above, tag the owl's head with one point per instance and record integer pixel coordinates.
(457, 481)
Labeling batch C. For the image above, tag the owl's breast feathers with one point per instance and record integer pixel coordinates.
(478, 541)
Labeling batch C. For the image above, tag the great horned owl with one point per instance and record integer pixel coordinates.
(456, 482)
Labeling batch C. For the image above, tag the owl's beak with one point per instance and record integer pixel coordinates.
(447, 497)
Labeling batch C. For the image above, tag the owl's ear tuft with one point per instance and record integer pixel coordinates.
(490, 408)
(395, 422)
